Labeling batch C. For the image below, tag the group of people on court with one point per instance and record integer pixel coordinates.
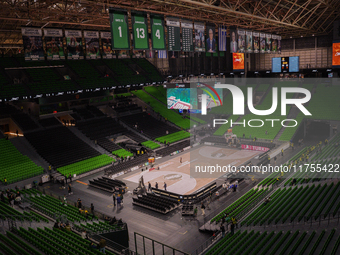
(156, 186)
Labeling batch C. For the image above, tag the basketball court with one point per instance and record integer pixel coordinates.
(181, 177)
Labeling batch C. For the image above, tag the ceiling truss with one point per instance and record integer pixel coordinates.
(288, 18)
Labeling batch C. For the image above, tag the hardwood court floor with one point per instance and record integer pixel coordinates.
(184, 178)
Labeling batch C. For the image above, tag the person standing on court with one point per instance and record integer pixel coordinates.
(149, 187)
(156, 185)
(180, 160)
(164, 186)
(114, 199)
(203, 209)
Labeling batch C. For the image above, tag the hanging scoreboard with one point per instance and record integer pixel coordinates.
(157, 33)
(187, 37)
(140, 31)
(174, 34)
(119, 30)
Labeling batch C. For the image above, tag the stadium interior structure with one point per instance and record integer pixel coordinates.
(83, 135)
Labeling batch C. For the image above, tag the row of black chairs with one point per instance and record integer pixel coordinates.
(128, 164)
(156, 203)
(172, 148)
(214, 139)
(107, 184)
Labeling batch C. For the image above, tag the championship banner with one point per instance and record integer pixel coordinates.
(74, 44)
(254, 148)
(54, 44)
(268, 43)
(157, 33)
(279, 44)
(233, 40)
(187, 37)
(92, 44)
(33, 45)
(336, 54)
(249, 41)
(256, 42)
(174, 34)
(238, 61)
(107, 51)
(119, 30)
(199, 37)
(274, 43)
(222, 38)
(210, 41)
(140, 31)
(241, 43)
(262, 43)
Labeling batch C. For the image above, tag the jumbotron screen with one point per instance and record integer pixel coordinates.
(182, 96)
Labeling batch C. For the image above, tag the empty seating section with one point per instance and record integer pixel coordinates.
(128, 94)
(46, 80)
(260, 132)
(60, 147)
(151, 70)
(24, 121)
(44, 77)
(174, 137)
(172, 148)
(151, 145)
(108, 145)
(153, 91)
(243, 204)
(139, 161)
(54, 207)
(98, 228)
(124, 74)
(278, 242)
(7, 211)
(147, 124)
(288, 133)
(9, 90)
(57, 241)
(95, 111)
(324, 104)
(262, 87)
(84, 113)
(156, 203)
(122, 153)
(89, 76)
(100, 128)
(193, 118)
(15, 166)
(302, 203)
(162, 109)
(86, 165)
(107, 184)
(49, 122)
(331, 150)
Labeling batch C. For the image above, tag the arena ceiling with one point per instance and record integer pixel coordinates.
(289, 18)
